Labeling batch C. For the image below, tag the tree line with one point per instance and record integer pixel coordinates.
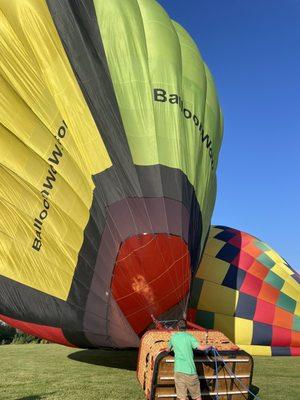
(10, 335)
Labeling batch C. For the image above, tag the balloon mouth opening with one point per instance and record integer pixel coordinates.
(152, 275)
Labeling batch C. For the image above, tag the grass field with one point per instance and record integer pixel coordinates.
(36, 371)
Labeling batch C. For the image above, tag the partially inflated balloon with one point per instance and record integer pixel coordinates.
(109, 139)
(246, 290)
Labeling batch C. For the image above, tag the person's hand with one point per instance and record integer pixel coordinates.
(207, 349)
(202, 348)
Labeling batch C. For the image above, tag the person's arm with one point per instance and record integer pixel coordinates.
(203, 347)
(170, 346)
(194, 342)
(196, 345)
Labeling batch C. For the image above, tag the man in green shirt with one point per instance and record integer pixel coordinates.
(185, 374)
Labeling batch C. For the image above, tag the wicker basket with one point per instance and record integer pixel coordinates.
(152, 352)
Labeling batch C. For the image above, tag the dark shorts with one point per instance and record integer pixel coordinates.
(187, 383)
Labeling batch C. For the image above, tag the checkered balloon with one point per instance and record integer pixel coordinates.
(246, 290)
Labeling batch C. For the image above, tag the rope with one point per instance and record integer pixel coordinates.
(230, 372)
(217, 378)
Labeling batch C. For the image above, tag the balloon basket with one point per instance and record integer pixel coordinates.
(224, 373)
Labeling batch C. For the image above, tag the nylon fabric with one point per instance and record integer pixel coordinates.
(38, 91)
(248, 291)
(90, 156)
(158, 133)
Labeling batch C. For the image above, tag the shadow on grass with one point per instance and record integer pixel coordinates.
(121, 359)
(254, 389)
(35, 396)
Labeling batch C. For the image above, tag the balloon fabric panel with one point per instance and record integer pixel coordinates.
(244, 288)
(108, 147)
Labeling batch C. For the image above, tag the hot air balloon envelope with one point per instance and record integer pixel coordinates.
(109, 140)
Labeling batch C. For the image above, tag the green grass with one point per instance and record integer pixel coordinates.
(36, 371)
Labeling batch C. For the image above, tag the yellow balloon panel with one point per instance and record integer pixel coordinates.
(49, 149)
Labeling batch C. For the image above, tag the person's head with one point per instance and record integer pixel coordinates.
(181, 325)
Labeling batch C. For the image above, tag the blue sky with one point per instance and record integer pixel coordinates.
(252, 49)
